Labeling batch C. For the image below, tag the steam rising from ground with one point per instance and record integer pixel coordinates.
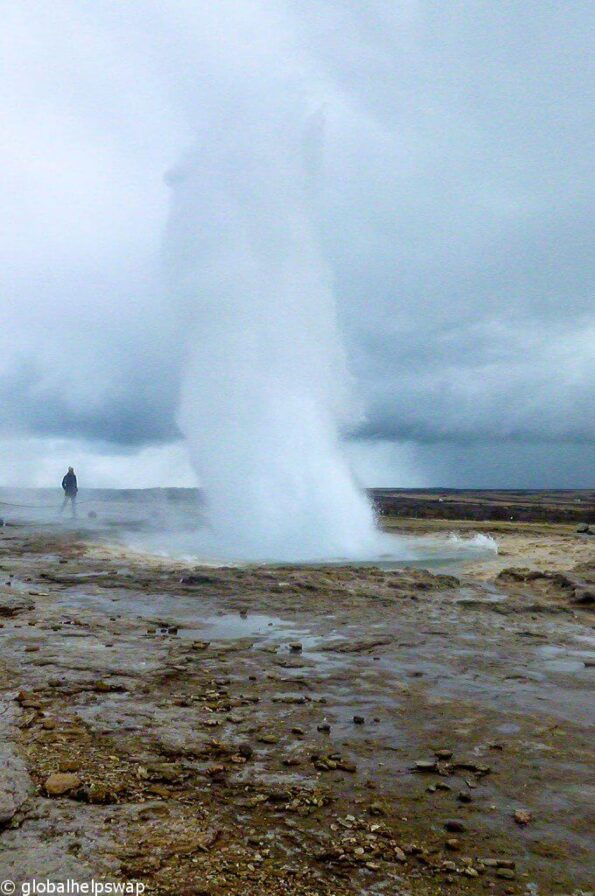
(266, 390)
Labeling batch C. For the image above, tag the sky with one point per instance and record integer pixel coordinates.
(455, 201)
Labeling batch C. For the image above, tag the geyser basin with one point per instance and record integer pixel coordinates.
(424, 551)
(387, 551)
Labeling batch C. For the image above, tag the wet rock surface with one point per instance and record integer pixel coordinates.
(15, 783)
(159, 723)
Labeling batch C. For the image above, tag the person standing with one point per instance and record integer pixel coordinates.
(70, 486)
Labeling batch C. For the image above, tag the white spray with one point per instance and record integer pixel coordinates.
(266, 391)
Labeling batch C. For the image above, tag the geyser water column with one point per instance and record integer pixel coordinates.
(266, 389)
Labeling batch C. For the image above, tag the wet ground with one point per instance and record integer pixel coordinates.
(299, 730)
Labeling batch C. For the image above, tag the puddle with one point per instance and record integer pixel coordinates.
(231, 626)
(268, 631)
(161, 611)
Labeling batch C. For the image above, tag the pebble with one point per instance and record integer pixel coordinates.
(324, 726)
(60, 783)
(358, 720)
(376, 809)
(454, 825)
(425, 765)
(522, 816)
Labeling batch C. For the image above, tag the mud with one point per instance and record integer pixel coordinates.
(298, 730)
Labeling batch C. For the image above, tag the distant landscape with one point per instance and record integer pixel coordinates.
(519, 505)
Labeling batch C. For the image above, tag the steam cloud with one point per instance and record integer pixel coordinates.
(266, 385)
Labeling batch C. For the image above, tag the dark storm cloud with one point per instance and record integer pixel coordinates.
(456, 206)
(137, 411)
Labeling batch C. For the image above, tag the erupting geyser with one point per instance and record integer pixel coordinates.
(266, 389)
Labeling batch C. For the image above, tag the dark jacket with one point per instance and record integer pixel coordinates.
(69, 484)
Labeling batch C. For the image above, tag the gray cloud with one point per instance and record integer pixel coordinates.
(455, 210)
(137, 411)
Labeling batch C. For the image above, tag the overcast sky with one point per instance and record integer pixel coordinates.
(456, 201)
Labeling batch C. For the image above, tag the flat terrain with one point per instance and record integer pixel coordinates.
(299, 730)
(519, 505)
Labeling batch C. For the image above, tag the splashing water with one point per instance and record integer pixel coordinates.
(266, 390)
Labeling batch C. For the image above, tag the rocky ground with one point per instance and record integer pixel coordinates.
(298, 730)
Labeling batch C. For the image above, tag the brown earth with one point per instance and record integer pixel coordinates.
(520, 505)
(299, 730)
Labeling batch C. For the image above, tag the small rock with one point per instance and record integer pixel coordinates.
(471, 766)
(60, 783)
(522, 816)
(268, 739)
(324, 726)
(583, 528)
(98, 794)
(376, 809)
(455, 826)
(400, 855)
(464, 797)
(425, 765)
(453, 844)
(295, 647)
(358, 720)
(505, 873)
(279, 796)
(443, 754)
